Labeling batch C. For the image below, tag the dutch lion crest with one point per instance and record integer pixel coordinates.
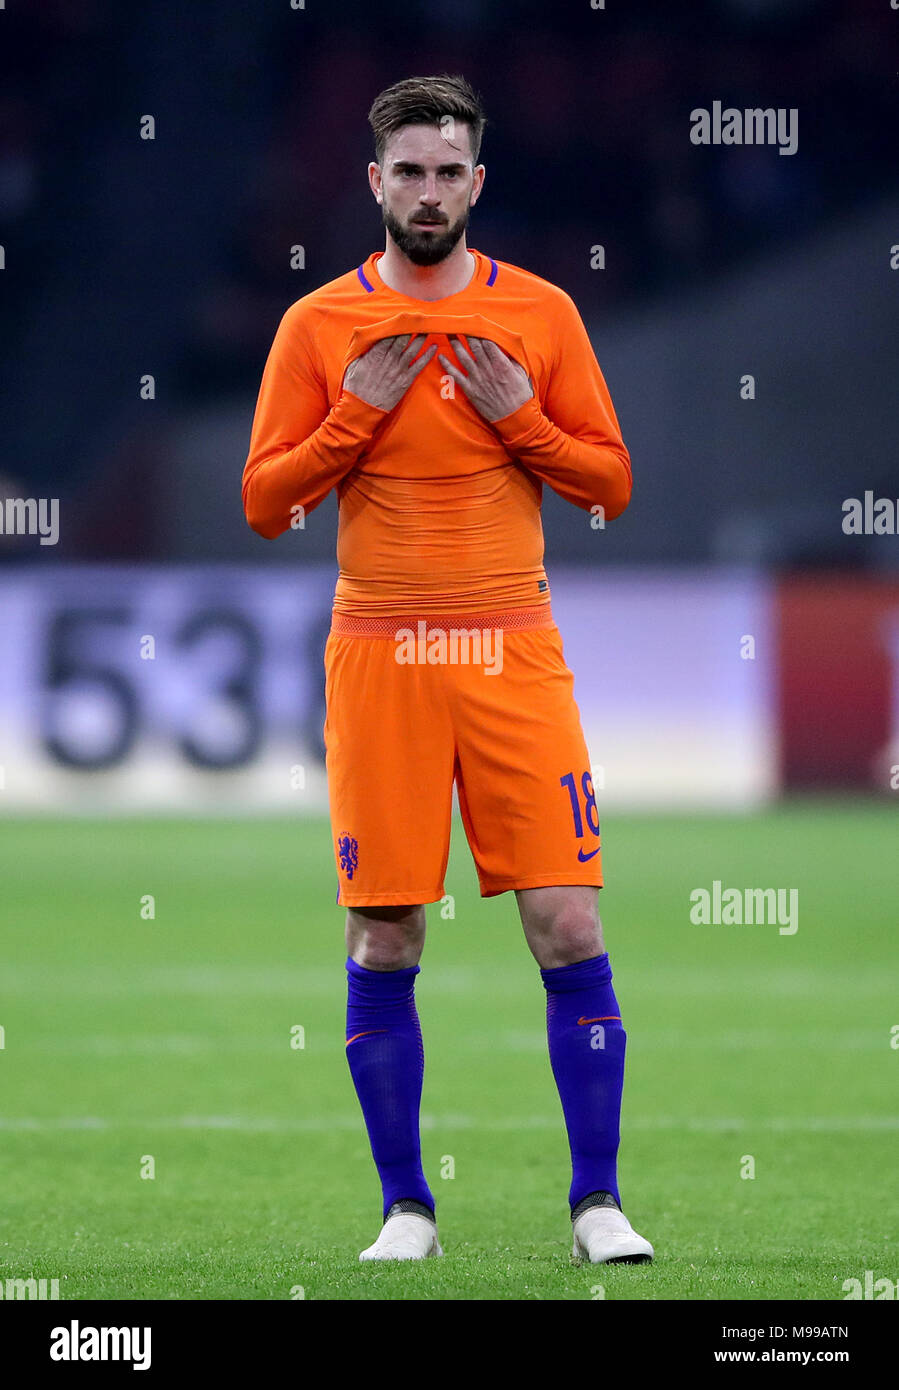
(348, 854)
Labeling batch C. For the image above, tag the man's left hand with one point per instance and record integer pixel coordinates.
(494, 383)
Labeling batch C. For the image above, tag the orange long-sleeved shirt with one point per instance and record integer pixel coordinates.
(439, 509)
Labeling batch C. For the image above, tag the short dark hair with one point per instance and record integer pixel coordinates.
(426, 101)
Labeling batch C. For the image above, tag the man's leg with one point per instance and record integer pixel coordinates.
(586, 1048)
(585, 1033)
(386, 1060)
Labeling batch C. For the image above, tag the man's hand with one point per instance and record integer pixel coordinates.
(495, 384)
(382, 375)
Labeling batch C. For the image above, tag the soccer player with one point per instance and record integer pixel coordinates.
(438, 390)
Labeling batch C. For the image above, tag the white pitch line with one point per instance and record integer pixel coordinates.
(271, 1044)
(809, 1124)
(714, 984)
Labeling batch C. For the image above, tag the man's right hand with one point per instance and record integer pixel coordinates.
(382, 375)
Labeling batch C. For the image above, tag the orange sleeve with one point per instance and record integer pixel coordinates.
(574, 443)
(300, 447)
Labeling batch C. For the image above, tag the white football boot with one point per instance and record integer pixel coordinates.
(603, 1235)
(404, 1236)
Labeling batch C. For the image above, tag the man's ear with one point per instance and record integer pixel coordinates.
(480, 173)
(374, 181)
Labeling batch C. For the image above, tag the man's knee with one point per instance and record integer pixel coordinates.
(385, 938)
(572, 938)
(562, 925)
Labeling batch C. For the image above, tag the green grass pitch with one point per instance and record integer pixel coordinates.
(128, 1039)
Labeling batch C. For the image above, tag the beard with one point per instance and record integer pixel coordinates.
(424, 248)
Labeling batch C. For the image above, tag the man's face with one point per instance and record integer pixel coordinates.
(426, 186)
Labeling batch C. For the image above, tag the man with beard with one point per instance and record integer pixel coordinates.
(437, 390)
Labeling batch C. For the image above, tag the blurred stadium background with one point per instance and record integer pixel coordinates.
(171, 257)
(733, 647)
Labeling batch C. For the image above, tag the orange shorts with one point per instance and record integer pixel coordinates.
(411, 708)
